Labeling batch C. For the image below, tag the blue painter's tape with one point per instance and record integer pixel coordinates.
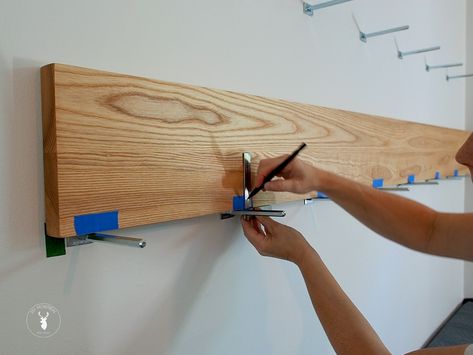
(437, 175)
(321, 195)
(96, 222)
(238, 203)
(377, 183)
(455, 172)
(411, 179)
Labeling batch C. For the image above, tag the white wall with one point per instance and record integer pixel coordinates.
(469, 126)
(199, 287)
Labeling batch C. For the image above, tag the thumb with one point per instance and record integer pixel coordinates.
(279, 185)
(267, 222)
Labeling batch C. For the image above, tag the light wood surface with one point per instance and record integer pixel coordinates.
(158, 151)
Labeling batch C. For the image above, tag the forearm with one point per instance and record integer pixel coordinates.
(348, 331)
(399, 219)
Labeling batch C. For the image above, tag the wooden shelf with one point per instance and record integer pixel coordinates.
(136, 151)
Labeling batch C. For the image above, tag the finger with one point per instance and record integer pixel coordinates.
(253, 236)
(266, 166)
(279, 185)
(258, 226)
(268, 223)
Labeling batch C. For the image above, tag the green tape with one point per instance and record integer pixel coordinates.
(54, 246)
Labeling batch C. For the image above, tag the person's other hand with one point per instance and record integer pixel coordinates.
(274, 239)
(297, 176)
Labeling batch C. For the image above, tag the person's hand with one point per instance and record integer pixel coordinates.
(274, 239)
(297, 176)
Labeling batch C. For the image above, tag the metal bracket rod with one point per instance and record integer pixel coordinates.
(430, 67)
(393, 188)
(135, 242)
(427, 182)
(379, 184)
(89, 238)
(255, 212)
(57, 246)
(78, 240)
(458, 76)
(364, 36)
(402, 54)
(309, 9)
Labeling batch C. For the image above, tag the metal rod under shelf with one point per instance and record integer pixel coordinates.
(136, 242)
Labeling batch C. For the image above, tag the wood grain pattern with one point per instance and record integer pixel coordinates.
(158, 151)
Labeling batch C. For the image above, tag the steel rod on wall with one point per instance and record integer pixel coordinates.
(364, 36)
(430, 67)
(450, 77)
(309, 9)
(402, 54)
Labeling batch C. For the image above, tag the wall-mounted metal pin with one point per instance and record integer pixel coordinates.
(451, 77)
(431, 67)
(309, 9)
(402, 54)
(364, 36)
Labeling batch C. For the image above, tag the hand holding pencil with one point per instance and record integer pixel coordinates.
(297, 176)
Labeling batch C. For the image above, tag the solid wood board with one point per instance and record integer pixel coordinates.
(156, 151)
